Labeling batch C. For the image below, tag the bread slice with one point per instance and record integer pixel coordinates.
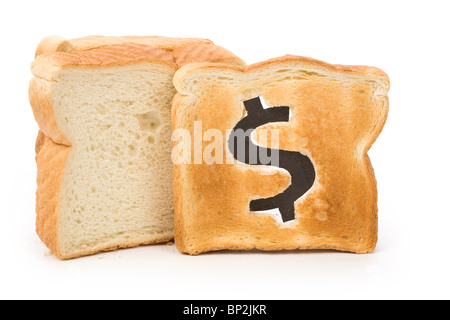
(103, 150)
(326, 116)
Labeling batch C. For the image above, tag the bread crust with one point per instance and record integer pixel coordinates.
(39, 93)
(50, 159)
(338, 112)
(358, 71)
(53, 44)
(205, 53)
(58, 43)
(40, 140)
(166, 43)
(55, 54)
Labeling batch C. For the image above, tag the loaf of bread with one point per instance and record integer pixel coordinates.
(319, 192)
(103, 107)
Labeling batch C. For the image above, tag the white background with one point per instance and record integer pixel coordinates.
(407, 39)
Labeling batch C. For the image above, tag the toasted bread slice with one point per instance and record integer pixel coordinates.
(326, 118)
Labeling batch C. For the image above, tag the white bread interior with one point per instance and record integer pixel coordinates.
(114, 188)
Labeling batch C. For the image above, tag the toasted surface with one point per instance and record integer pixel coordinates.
(39, 92)
(53, 44)
(337, 113)
(45, 65)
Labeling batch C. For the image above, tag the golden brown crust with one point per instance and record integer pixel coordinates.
(40, 140)
(170, 44)
(45, 66)
(53, 44)
(357, 71)
(178, 187)
(50, 161)
(57, 43)
(121, 49)
(364, 71)
(40, 100)
(337, 113)
(205, 53)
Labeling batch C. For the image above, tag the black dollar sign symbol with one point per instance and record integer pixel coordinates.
(298, 165)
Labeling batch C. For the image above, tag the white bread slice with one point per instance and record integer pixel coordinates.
(336, 113)
(103, 152)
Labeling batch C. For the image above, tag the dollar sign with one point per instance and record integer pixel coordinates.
(298, 165)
